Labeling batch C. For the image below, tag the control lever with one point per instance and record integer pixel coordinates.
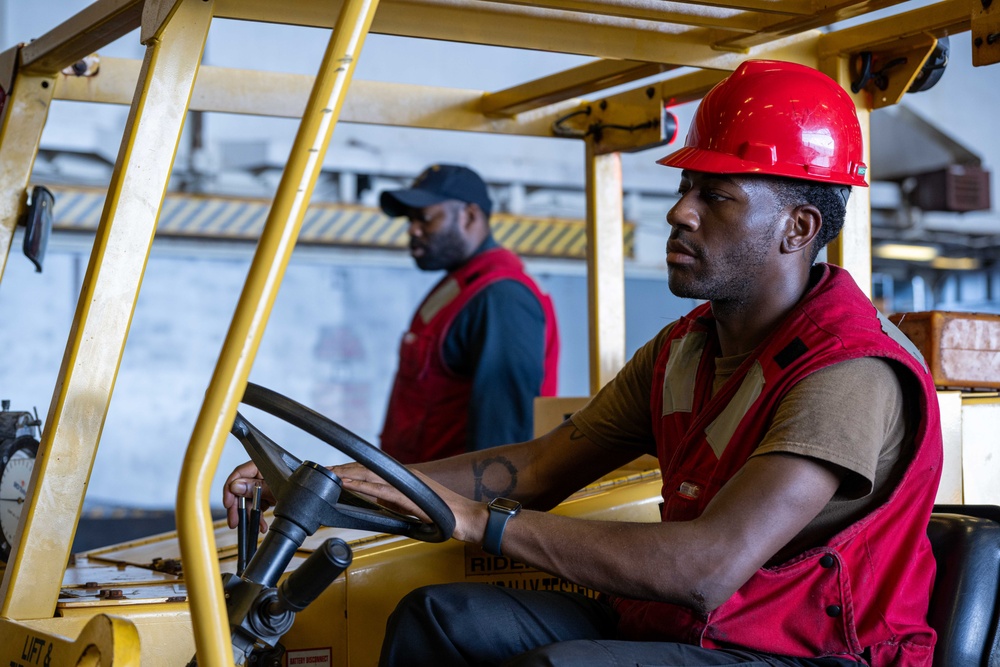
(260, 614)
(247, 529)
(272, 612)
(241, 535)
(318, 571)
(253, 530)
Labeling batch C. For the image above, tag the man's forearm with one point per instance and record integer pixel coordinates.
(698, 563)
(539, 473)
(635, 560)
(487, 474)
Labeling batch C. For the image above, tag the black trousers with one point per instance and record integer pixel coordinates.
(480, 625)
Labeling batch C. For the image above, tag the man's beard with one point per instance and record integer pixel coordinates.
(444, 250)
(731, 281)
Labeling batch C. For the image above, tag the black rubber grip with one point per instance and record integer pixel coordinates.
(318, 571)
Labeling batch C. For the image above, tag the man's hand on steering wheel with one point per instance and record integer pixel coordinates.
(241, 483)
(308, 495)
(470, 516)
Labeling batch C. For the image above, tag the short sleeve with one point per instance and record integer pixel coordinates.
(850, 414)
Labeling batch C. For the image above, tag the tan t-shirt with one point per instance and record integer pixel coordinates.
(850, 415)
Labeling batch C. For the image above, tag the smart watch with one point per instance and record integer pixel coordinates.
(501, 510)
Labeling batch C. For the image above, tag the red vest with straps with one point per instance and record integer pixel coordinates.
(429, 405)
(864, 594)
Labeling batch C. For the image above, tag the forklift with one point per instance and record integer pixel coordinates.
(318, 588)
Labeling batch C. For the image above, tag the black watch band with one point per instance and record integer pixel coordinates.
(501, 510)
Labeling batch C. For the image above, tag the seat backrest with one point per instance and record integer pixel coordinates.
(964, 605)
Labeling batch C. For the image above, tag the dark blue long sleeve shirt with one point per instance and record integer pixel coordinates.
(498, 340)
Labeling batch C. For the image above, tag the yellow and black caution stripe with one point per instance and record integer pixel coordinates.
(325, 223)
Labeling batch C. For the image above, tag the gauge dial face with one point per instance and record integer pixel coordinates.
(14, 491)
(15, 473)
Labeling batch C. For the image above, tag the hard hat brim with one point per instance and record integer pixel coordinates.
(711, 162)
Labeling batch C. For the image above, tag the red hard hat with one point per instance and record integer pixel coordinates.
(776, 118)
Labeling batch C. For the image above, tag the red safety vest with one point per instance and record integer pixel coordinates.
(428, 409)
(864, 594)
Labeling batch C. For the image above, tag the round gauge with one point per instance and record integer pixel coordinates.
(17, 458)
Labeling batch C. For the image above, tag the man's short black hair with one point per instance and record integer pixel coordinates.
(829, 198)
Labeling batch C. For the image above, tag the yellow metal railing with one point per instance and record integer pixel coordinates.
(201, 568)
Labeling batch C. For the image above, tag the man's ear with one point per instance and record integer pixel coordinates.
(472, 215)
(801, 227)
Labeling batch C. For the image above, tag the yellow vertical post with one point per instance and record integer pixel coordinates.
(21, 127)
(198, 550)
(853, 248)
(107, 300)
(605, 266)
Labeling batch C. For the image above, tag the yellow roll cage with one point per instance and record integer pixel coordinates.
(628, 39)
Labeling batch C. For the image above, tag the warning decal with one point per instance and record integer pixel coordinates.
(312, 657)
(510, 573)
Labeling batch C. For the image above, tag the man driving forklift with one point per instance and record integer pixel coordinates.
(797, 432)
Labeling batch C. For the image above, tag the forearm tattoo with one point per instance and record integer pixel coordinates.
(500, 471)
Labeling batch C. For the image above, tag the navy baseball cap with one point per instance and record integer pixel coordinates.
(438, 183)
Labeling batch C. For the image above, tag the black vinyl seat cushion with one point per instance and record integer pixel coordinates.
(964, 605)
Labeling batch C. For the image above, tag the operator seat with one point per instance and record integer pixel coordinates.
(965, 609)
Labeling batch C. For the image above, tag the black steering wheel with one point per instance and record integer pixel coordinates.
(308, 496)
(311, 496)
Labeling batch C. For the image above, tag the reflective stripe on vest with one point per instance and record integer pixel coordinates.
(679, 384)
(722, 428)
(682, 370)
(445, 293)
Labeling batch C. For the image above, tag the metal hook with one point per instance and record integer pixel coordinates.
(866, 72)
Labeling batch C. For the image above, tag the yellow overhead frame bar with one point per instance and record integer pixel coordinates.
(940, 19)
(529, 27)
(625, 30)
(825, 14)
(635, 30)
(89, 30)
(792, 7)
(696, 16)
(566, 85)
(241, 91)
